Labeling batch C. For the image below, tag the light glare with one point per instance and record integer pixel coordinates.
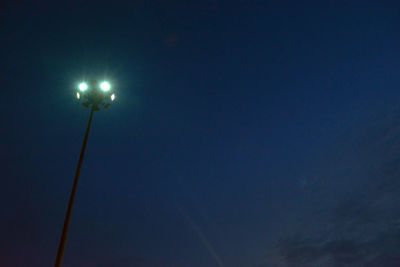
(112, 97)
(83, 86)
(105, 86)
(78, 95)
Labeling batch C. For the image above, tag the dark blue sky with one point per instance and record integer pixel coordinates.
(238, 127)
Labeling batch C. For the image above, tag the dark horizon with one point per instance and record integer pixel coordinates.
(243, 133)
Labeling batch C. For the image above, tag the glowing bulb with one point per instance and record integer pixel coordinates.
(112, 97)
(83, 86)
(105, 86)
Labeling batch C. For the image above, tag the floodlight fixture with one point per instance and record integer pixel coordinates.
(95, 94)
(83, 86)
(105, 86)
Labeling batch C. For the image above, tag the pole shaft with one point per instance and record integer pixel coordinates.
(61, 247)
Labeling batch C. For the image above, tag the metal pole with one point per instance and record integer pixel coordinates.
(61, 247)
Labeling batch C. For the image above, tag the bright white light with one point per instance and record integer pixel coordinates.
(105, 86)
(112, 97)
(78, 95)
(83, 86)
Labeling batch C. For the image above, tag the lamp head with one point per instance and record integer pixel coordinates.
(96, 94)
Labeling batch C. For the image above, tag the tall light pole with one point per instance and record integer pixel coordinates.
(94, 96)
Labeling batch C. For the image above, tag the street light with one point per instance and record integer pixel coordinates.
(96, 96)
(105, 86)
(83, 86)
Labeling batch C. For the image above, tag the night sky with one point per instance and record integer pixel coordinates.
(244, 133)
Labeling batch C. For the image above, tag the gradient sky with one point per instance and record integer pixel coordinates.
(238, 126)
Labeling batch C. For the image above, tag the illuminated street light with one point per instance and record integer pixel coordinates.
(105, 86)
(83, 86)
(95, 96)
